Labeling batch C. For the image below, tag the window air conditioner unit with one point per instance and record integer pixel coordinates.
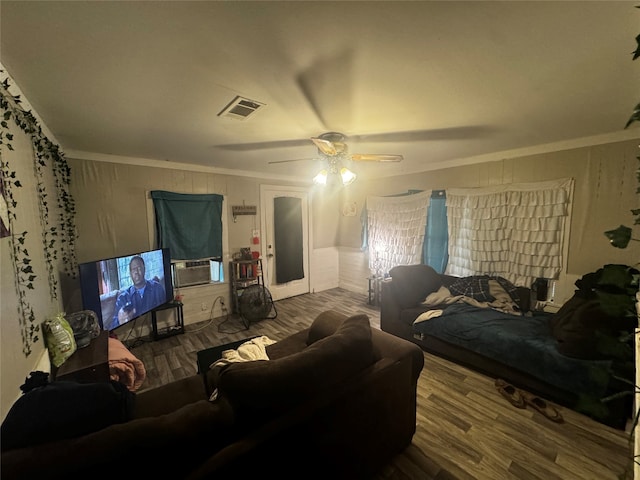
(191, 273)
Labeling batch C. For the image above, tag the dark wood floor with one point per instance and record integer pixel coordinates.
(465, 429)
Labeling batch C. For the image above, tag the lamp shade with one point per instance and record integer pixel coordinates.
(347, 176)
(321, 177)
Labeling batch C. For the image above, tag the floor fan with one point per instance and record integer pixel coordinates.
(255, 304)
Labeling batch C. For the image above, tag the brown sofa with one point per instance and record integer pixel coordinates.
(336, 400)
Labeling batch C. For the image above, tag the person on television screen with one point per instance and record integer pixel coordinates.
(139, 298)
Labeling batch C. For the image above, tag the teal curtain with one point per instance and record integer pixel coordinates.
(436, 236)
(190, 225)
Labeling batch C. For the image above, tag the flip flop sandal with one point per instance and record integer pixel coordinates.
(511, 393)
(544, 408)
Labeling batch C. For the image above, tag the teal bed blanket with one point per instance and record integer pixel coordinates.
(524, 343)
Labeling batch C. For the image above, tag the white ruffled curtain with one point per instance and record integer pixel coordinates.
(514, 231)
(395, 228)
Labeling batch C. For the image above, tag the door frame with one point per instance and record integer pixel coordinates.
(266, 192)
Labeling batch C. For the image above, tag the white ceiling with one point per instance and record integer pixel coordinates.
(454, 81)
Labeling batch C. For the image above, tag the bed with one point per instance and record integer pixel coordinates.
(492, 330)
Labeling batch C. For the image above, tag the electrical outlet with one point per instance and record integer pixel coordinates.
(203, 306)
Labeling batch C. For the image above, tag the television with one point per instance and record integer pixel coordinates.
(121, 289)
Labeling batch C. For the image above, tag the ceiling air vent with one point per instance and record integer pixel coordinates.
(240, 108)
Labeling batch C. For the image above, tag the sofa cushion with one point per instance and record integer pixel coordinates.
(276, 385)
(324, 325)
(62, 410)
(412, 283)
(178, 440)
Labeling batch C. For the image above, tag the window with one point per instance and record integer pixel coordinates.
(191, 226)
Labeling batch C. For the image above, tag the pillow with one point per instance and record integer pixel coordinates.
(324, 325)
(413, 283)
(276, 385)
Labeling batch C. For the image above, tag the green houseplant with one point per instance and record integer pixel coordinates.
(620, 238)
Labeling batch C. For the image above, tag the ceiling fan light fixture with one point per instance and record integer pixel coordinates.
(321, 177)
(347, 176)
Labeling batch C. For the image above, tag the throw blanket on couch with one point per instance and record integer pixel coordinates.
(500, 300)
(254, 349)
(524, 343)
(124, 366)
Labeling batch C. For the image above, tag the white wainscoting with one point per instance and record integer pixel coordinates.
(354, 270)
(325, 269)
(199, 299)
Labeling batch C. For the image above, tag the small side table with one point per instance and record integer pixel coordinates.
(375, 289)
(175, 329)
(87, 365)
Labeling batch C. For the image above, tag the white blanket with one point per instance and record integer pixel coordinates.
(254, 349)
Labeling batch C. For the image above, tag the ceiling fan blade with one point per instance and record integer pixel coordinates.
(325, 146)
(327, 84)
(293, 160)
(375, 157)
(451, 133)
(247, 147)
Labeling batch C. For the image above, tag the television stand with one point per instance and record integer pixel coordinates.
(171, 330)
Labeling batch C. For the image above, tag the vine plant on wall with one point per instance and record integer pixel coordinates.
(58, 233)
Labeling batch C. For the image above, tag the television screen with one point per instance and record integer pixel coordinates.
(122, 289)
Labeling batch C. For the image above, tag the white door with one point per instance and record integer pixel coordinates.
(269, 254)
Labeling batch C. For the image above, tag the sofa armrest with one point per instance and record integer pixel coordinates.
(386, 345)
(169, 397)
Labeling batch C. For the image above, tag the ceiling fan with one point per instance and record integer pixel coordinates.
(332, 147)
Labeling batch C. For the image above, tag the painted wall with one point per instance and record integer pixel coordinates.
(14, 364)
(118, 219)
(604, 194)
